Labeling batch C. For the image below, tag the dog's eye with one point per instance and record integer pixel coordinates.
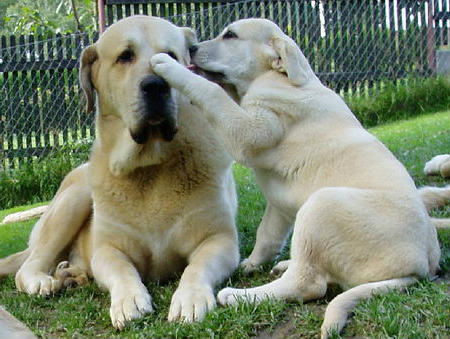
(172, 55)
(229, 35)
(126, 56)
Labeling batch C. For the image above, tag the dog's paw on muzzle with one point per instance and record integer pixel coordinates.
(159, 113)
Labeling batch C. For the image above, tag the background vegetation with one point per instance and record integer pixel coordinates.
(400, 100)
(47, 17)
(38, 180)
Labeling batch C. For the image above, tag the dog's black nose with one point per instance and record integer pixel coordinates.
(154, 85)
(193, 49)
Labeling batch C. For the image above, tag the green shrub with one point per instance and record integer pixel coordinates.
(39, 179)
(395, 101)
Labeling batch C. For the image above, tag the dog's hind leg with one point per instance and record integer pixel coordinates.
(11, 264)
(70, 275)
(54, 233)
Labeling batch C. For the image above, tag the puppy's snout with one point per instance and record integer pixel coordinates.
(154, 86)
(193, 49)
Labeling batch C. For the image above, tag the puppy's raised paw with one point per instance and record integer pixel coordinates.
(169, 69)
(161, 59)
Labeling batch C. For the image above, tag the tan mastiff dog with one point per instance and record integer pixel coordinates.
(164, 202)
(359, 220)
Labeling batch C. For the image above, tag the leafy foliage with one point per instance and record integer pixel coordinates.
(48, 17)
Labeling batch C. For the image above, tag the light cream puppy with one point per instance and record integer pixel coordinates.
(359, 219)
(163, 194)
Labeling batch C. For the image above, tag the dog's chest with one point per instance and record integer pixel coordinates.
(151, 199)
(141, 203)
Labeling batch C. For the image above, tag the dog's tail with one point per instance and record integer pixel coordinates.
(11, 264)
(435, 197)
(338, 309)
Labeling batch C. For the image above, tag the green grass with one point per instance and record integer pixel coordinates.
(416, 141)
(14, 237)
(421, 312)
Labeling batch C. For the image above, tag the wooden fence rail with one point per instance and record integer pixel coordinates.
(352, 45)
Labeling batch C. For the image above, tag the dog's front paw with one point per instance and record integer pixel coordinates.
(280, 268)
(249, 267)
(229, 296)
(35, 282)
(166, 67)
(191, 303)
(127, 305)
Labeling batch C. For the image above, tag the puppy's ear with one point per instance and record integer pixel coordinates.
(190, 36)
(191, 39)
(88, 57)
(290, 60)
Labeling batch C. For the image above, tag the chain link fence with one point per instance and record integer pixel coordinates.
(40, 97)
(352, 46)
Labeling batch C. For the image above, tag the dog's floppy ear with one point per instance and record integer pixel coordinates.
(88, 56)
(290, 60)
(191, 39)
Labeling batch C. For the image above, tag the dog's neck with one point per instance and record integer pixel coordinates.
(241, 88)
(125, 155)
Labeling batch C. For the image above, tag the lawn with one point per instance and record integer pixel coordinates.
(420, 312)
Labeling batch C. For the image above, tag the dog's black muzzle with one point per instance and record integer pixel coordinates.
(159, 113)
